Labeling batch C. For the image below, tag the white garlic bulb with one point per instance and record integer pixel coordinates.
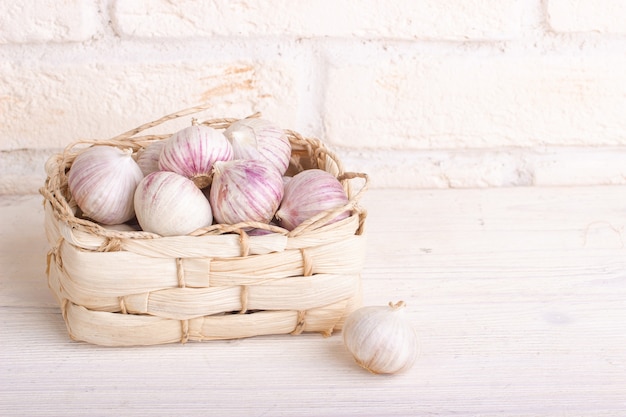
(381, 339)
(191, 152)
(102, 180)
(308, 193)
(245, 190)
(260, 139)
(148, 157)
(169, 204)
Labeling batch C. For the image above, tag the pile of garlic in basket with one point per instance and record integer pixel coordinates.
(200, 176)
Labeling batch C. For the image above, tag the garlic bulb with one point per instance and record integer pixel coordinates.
(102, 180)
(245, 190)
(308, 193)
(191, 152)
(148, 157)
(169, 204)
(260, 139)
(381, 339)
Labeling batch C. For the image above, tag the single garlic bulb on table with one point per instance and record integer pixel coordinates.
(381, 339)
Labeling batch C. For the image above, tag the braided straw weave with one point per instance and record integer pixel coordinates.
(122, 288)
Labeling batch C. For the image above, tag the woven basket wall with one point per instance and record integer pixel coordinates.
(121, 288)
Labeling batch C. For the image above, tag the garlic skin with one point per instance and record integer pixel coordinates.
(102, 180)
(260, 139)
(148, 157)
(245, 190)
(308, 193)
(381, 339)
(122, 227)
(191, 152)
(170, 204)
(260, 232)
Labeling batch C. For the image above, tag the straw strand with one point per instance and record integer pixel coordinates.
(243, 296)
(180, 273)
(184, 324)
(300, 323)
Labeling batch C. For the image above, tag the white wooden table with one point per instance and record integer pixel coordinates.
(518, 295)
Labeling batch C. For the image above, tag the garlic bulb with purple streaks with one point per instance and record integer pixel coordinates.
(260, 139)
(170, 204)
(245, 190)
(148, 157)
(381, 339)
(102, 181)
(308, 193)
(191, 152)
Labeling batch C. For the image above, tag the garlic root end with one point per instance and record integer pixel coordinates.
(202, 181)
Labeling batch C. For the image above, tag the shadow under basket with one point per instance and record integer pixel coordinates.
(130, 287)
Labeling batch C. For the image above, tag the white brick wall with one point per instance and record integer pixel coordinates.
(52, 105)
(418, 93)
(47, 21)
(398, 19)
(604, 16)
(463, 101)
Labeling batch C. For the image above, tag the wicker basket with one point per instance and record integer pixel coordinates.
(121, 288)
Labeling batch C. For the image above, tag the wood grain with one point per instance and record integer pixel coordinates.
(518, 295)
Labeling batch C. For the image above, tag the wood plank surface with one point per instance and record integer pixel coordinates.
(518, 296)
